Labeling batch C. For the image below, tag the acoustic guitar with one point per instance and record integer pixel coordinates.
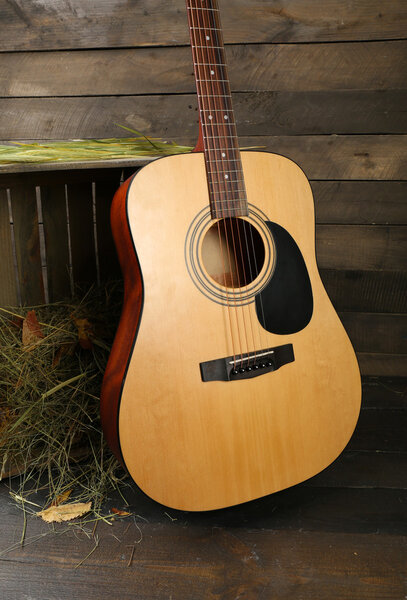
(231, 376)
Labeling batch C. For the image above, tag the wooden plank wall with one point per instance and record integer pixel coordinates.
(323, 83)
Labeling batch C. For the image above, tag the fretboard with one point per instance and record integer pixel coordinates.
(226, 186)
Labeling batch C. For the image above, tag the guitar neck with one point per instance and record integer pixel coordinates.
(226, 186)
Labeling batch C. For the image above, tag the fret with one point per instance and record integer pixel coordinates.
(210, 47)
(202, 8)
(213, 80)
(206, 28)
(215, 95)
(229, 171)
(211, 137)
(211, 64)
(230, 200)
(228, 181)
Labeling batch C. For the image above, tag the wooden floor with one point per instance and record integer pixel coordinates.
(341, 535)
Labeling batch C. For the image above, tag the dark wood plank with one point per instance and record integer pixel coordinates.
(101, 24)
(383, 365)
(383, 430)
(60, 173)
(54, 216)
(253, 67)
(385, 393)
(108, 262)
(198, 563)
(375, 332)
(322, 157)
(355, 157)
(257, 113)
(26, 232)
(366, 291)
(8, 288)
(81, 233)
(361, 247)
(365, 470)
(360, 202)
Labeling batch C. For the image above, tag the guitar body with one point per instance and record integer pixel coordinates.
(197, 444)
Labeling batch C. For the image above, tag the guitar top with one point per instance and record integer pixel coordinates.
(231, 376)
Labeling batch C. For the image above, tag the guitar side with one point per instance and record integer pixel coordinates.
(200, 445)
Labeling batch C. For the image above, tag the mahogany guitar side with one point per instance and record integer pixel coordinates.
(200, 445)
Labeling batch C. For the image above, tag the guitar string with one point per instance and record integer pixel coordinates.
(232, 124)
(220, 43)
(228, 187)
(260, 330)
(207, 129)
(195, 53)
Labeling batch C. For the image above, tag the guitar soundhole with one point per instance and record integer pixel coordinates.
(233, 252)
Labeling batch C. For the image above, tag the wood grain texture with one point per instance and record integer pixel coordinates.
(173, 116)
(113, 23)
(81, 232)
(252, 67)
(179, 404)
(366, 291)
(364, 247)
(8, 288)
(353, 157)
(26, 232)
(384, 333)
(382, 365)
(54, 216)
(360, 202)
(355, 469)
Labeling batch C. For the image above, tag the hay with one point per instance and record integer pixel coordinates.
(83, 150)
(50, 377)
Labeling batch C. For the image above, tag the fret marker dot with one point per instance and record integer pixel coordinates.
(208, 38)
(212, 72)
(210, 117)
(223, 155)
(226, 117)
(226, 176)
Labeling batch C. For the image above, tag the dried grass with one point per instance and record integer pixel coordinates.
(83, 150)
(50, 430)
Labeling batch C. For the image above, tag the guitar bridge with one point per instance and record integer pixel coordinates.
(246, 366)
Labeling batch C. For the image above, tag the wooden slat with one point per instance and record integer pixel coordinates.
(361, 247)
(384, 393)
(360, 202)
(383, 430)
(366, 291)
(81, 233)
(372, 332)
(364, 470)
(202, 562)
(114, 23)
(108, 263)
(56, 240)
(322, 157)
(55, 173)
(8, 287)
(353, 157)
(25, 217)
(386, 365)
(257, 113)
(257, 67)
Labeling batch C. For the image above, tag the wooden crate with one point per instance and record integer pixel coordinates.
(55, 232)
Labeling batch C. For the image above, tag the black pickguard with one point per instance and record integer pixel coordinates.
(285, 305)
